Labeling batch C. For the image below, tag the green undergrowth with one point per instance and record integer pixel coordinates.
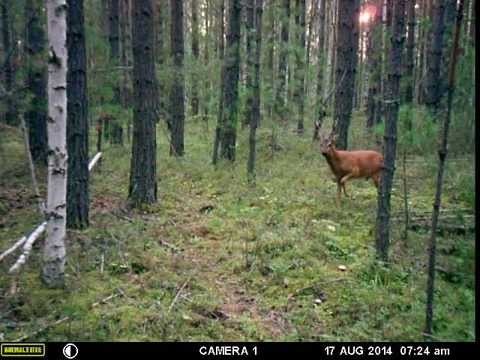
(218, 259)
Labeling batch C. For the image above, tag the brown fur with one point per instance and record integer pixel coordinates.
(347, 165)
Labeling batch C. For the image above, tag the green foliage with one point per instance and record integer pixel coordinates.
(259, 263)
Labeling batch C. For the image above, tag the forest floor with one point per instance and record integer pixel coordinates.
(217, 259)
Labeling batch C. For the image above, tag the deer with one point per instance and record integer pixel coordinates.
(347, 165)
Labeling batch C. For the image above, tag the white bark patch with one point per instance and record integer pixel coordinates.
(54, 250)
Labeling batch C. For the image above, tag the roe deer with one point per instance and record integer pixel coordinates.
(351, 164)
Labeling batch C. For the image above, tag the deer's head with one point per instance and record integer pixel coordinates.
(327, 144)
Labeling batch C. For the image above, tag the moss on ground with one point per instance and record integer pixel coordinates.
(216, 259)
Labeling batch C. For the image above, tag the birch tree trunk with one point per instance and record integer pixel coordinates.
(54, 248)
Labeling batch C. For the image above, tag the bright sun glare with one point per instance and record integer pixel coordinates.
(367, 14)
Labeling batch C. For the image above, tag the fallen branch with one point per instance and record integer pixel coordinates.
(13, 248)
(94, 161)
(29, 240)
(120, 292)
(28, 247)
(177, 295)
(23, 338)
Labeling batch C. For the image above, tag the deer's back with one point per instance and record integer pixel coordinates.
(364, 163)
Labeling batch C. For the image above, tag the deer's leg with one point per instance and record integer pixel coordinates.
(343, 181)
(338, 193)
(376, 180)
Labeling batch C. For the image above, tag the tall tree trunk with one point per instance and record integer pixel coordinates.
(422, 45)
(206, 56)
(230, 83)
(374, 61)
(115, 132)
(281, 112)
(250, 61)
(392, 102)
(409, 58)
(321, 61)
(269, 72)
(299, 92)
(196, 56)
(433, 89)
(9, 48)
(161, 42)
(472, 21)
(359, 81)
(143, 169)
(54, 249)
(77, 118)
(332, 41)
(313, 14)
(345, 68)
(126, 45)
(221, 53)
(36, 80)
(177, 106)
(114, 30)
(256, 91)
(442, 155)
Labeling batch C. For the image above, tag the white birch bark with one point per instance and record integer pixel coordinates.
(54, 250)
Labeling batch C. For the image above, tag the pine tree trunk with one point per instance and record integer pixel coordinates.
(77, 118)
(221, 53)
(114, 28)
(177, 106)
(334, 5)
(206, 56)
(9, 70)
(250, 53)
(422, 45)
(433, 88)
(231, 77)
(409, 56)
(196, 57)
(143, 169)
(126, 44)
(256, 91)
(36, 80)
(54, 248)
(321, 61)
(281, 112)
(161, 43)
(269, 72)
(345, 68)
(392, 102)
(442, 155)
(374, 68)
(299, 91)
